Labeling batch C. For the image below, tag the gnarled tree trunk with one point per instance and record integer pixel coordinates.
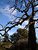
(32, 36)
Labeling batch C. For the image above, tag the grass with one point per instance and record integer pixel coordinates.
(4, 45)
(8, 45)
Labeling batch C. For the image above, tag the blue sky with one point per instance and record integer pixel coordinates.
(6, 15)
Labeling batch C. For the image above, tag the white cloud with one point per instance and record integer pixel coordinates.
(36, 15)
(2, 32)
(8, 12)
(23, 25)
(36, 30)
(10, 32)
(37, 6)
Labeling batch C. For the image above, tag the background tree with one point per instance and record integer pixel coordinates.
(21, 34)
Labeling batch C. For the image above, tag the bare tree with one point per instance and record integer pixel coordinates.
(27, 7)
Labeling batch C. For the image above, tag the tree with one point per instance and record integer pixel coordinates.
(27, 7)
(6, 37)
(20, 39)
(21, 34)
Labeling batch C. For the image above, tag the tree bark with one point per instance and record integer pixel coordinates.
(31, 36)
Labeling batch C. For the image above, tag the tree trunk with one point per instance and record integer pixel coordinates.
(31, 36)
